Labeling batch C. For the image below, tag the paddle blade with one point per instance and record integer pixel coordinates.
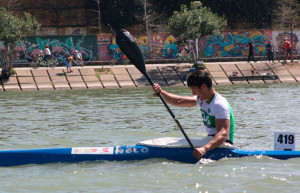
(131, 49)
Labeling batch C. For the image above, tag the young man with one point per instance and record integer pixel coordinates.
(216, 111)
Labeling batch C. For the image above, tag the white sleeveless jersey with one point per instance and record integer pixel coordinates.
(217, 108)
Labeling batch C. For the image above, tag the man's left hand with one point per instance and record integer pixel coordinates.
(199, 152)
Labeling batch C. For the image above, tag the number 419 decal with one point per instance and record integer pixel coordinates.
(284, 141)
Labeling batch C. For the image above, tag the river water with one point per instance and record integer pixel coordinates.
(110, 117)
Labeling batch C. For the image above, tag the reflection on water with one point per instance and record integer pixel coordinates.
(109, 117)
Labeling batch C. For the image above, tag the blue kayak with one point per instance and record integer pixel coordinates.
(127, 153)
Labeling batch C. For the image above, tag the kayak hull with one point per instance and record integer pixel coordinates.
(127, 153)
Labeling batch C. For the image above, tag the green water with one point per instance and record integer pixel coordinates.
(109, 117)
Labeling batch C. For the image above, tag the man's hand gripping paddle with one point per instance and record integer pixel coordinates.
(131, 49)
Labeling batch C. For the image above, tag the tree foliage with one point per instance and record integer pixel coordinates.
(191, 24)
(118, 13)
(286, 14)
(12, 31)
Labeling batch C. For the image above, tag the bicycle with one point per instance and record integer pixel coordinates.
(280, 57)
(182, 59)
(36, 61)
(51, 62)
(39, 61)
(78, 62)
(116, 61)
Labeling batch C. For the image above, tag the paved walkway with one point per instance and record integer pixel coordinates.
(96, 77)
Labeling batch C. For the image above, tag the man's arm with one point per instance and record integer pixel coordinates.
(176, 100)
(222, 126)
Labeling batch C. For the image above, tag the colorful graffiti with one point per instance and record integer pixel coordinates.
(160, 46)
(59, 45)
(227, 44)
(233, 44)
(292, 38)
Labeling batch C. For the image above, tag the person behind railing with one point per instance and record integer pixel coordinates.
(270, 51)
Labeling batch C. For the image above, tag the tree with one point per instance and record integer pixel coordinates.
(118, 13)
(287, 16)
(191, 25)
(12, 31)
(149, 16)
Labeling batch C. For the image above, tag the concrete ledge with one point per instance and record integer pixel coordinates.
(109, 81)
(281, 71)
(75, 80)
(26, 80)
(245, 70)
(90, 78)
(123, 77)
(170, 76)
(218, 74)
(156, 76)
(42, 79)
(58, 79)
(11, 84)
(229, 69)
(182, 71)
(138, 78)
(294, 69)
(96, 77)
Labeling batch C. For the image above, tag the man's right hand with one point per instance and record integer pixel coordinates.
(156, 88)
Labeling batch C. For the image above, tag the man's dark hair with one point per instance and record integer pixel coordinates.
(199, 77)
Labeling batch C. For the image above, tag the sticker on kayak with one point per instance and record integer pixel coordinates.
(92, 150)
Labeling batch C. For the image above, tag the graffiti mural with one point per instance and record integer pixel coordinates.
(278, 39)
(227, 44)
(160, 46)
(59, 45)
(233, 44)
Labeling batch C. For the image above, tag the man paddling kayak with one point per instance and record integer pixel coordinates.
(216, 111)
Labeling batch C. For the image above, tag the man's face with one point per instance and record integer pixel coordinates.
(199, 91)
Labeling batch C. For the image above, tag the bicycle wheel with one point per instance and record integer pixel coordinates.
(34, 65)
(77, 63)
(277, 56)
(178, 59)
(54, 62)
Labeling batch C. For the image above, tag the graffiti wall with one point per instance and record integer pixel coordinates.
(59, 45)
(159, 46)
(278, 39)
(233, 44)
(227, 44)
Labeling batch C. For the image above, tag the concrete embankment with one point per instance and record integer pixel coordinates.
(96, 77)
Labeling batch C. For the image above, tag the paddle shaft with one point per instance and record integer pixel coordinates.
(170, 111)
(131, 49)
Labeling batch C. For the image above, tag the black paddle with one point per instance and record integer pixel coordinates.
(131, 49)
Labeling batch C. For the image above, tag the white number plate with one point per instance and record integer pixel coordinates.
(284, 141)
